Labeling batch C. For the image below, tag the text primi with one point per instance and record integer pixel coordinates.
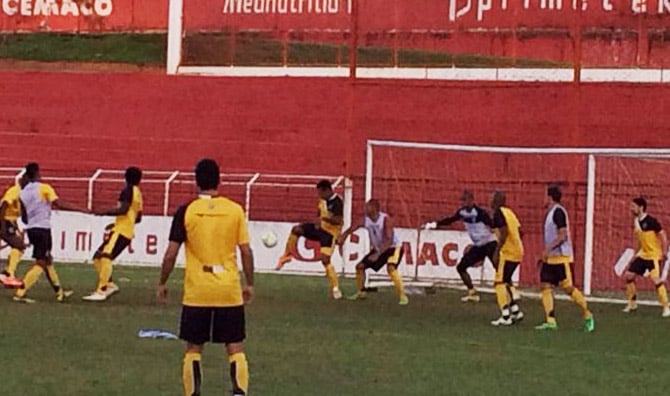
(286, 6)
(61, 7)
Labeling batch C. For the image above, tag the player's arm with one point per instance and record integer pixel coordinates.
(337, 214)
(49, 195)
(662, 236)
(138, 220)
(177, 238)
(343, 237)
(247, 257)
(123, 205)
(388, 234)
(445, 222)
(561, 223)
(499, 224)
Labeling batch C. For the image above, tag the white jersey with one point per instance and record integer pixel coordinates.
(36, 198)
(376, 232)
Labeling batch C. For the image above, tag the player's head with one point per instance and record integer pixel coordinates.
(554, 195)
(468, 198)
(639, 206)
(32, 172)
(207, 175)
(325, 189)
(498, 199)
(133, 176)
(372, 208)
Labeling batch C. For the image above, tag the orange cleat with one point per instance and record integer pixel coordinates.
(283, 260)
(10, 282)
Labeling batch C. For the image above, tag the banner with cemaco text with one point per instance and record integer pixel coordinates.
(77, 236)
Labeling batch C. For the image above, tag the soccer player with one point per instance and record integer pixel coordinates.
(324, 230)
(556, 260)
(506, 259)
(385, 250)
(10, 211)
(652, 245)
(128, 212)
(37, 200)
(477, 223)
(212, 227)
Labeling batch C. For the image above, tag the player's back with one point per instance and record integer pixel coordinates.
(647, 230)
(214, 227)
(125, 223)
(36, 198)
(13, 199)
(513, 245)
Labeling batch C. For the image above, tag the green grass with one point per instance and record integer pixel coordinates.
(300, 343)
(218, 49)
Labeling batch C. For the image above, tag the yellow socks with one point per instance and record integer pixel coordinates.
(548, 304)
(397, 281)
(662, 294)
(291, 244)
(53, 278)
(29, 280)
(360, 279)
(333, 281)
(13, 261)
(104, 273)
(631, 293)
(501, 295)
(192, 374)
(239, 373)
(580, 300)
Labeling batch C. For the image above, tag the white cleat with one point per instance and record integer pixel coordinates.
(474, 298)
(666, 312)
(111, 289)
(337, 294)
(95, 296)
(517, 317)
(502, 322)
(630, 308)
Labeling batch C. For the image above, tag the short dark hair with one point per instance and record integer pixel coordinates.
(207, 174)
(32, 170)
(133, 176)
(375, 203)
(499, 197)
(324, 185)
(555, 193)
(641, 202)
(467, 194)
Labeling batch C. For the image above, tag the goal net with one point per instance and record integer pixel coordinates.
(419, 182)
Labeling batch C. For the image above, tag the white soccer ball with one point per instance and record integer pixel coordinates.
(269, 239)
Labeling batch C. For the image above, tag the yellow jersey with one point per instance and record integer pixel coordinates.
(333, 206)
(646, 230)
(12, 198)
(211, 228)
(125, 223)
(512, 248)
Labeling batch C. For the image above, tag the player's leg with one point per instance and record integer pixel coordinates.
(31, 277)
(392, 259)
(635, 269)
(512, 292)
(195, 329)
(110, 249)
(548, 279)
(297, 231)
(469, 259)
(229, 328)
(502, 296)
(360, 280)
(577, 296)
(239, 368)
(661, 290)
(12, 236)
(331, 274)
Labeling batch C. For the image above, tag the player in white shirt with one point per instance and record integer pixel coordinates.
(385, 250)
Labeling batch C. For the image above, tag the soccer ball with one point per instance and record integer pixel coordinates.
(269, 239)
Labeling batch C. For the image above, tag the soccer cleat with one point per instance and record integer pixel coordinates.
(666, 312)
(470, 297)
(111, 289)
(547, 326)
(10, 282)
(361, 295)
(96, 296)
(23, 300)
(404, 300)
(283, 260)
(63, 294)
(502, 322)
(517, 317)
(630, 308)
(336, 293)
(589, 324)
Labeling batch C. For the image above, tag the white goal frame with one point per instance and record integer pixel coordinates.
(590, 153)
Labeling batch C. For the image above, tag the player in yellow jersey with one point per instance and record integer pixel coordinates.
(128, 212)
(10, 211)
(212, 228)
(652, 247)
(325, 230)
(506, 259)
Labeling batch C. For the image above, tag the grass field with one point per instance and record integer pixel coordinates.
(300, 343)
(216, 49)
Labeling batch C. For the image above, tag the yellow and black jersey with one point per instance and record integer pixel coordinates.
(646, 230)
(12, 198)
(211, 228)
(125, 223)
(333, 206)
(512, 248)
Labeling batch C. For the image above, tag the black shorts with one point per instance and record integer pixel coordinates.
(42, 243)
(477, 254)
(640, 267)
(220, 325)
(556, 274)
(112, 246)
(505, 270)
(326, 240)
(10, 234)
(392, 255)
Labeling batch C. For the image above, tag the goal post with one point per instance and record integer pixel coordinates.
(599, 184)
